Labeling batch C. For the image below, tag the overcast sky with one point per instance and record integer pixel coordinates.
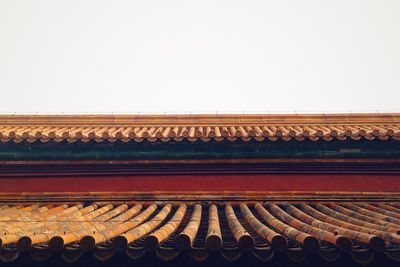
(128, 56)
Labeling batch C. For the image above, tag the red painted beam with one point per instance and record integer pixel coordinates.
(264, 182)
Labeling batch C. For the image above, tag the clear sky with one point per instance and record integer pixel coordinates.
(155, 56)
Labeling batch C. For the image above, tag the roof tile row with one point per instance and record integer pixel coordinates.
(329, 229)
(193, 133)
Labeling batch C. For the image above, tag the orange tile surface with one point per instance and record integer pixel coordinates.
(262, 228)
(199, 127)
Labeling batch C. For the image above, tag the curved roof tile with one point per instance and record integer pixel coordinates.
(18, 128)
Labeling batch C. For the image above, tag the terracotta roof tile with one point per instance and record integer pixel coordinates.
(168, 228)
(199, 127)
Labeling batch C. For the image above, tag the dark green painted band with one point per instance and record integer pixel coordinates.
(199, 150)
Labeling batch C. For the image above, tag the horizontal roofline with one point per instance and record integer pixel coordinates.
(217, 196)
(201, 119)
(195, 127)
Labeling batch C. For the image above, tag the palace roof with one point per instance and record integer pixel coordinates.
(100, 128)
(207, 188)
(298, 229)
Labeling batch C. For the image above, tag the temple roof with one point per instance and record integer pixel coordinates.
(100, 128)
(297, 229)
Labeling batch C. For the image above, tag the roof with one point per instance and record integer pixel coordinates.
(169, 229)
(261, 127)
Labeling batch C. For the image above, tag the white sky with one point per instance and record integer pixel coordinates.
(128, 56)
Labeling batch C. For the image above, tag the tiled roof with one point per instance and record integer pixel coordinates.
(199, 127)
(298, 229)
